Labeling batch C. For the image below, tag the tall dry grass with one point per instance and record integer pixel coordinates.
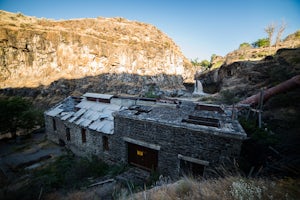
(228, 188)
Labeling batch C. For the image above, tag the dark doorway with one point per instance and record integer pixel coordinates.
(61, 142)
(68, 134)
(105, 143)
(191, 169)
(83, 135)
(142, 157)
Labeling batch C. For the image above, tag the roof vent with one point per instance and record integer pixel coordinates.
(202, 121)
(103, 98)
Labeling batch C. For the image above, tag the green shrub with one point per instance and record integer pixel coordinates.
(245, 45)
(263, 42)
(18, 113)
(260, 135)
(69, 172)
(217, 65)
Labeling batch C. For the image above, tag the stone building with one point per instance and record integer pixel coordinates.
(170, 136)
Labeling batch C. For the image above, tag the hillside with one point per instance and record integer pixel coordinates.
(247, 77)
(36, 52)
(48, 60)
(237, 81)
(249, 53)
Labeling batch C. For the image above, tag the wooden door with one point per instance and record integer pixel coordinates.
(142, 157)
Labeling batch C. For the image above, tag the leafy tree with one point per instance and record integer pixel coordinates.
(205, 63)
(17, 113)
(263, 42)
(245, 45)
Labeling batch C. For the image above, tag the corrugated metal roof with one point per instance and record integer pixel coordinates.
(67, 116)
(94, 115)
(54, 112)
(99, 96)
(104, 126)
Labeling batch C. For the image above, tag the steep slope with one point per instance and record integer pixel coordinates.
(36, 52)
(280, 116)
(245, 78)
(249, 53)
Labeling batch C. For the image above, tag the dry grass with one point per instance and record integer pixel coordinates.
(225, 188)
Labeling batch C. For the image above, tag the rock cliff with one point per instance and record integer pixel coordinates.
(245, 78)
(36, 52)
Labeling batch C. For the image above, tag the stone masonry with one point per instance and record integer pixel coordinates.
(172, 130)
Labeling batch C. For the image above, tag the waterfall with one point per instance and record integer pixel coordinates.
(198, 88)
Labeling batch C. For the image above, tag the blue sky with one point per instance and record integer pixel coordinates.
(200, 27)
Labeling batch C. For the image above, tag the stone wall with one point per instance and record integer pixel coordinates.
(92, 146)
(175, 141)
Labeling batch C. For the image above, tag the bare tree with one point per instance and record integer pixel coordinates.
(270, 31)
(280, 31)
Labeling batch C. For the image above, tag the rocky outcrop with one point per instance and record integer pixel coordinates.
(36, 52)
(245, 78)
(249, 53)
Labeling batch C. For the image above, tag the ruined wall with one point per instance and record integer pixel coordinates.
(173, 141)
(92, 146)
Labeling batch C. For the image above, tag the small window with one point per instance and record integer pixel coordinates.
(54, 124)
(191, 169)
(105, 143)
(83, 135)
(68, 135)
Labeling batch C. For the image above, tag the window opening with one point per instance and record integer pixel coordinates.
(191, 169)
(68, 134)
(83, 135)
(105, 143)
(54, 124)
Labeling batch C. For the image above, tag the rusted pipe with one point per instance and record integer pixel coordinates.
(268, 93)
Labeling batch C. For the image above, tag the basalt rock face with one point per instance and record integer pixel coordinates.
(245, 78)
(36, 52)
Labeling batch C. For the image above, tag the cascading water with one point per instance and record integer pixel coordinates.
(198, 88)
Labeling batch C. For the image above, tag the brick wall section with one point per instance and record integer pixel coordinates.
(174, 140)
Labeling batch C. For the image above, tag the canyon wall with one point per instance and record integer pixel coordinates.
(36, 52)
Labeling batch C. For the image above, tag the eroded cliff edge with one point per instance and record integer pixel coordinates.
(36, 52)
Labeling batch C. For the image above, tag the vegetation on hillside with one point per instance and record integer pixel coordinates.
(271, 151)
(260, 48)
(17, 114)
(229, 188)
(66, 173)
(263, 42)
(204, 63)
